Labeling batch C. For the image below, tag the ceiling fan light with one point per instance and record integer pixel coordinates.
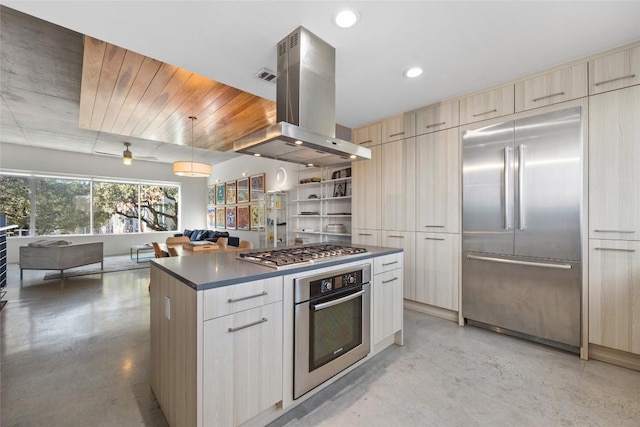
(127, 156)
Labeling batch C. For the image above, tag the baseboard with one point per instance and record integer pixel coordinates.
(442, 313)
(615, 357)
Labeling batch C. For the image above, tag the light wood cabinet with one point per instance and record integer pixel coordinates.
(614, 71)
(231, 299)
(368, 135)
(437, 277)
(437, 117)
(242, 355)
(614, 164)
(398, 185)
(386, 305)
(556, 86)
(365, 237)
(398, 127)
(404, 240)
(366, 196)
(614, 294)
(487, 105)
(438, 175)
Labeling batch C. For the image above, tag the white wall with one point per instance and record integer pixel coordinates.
(233, 169)
(192, 208)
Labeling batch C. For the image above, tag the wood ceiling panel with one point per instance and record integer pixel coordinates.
(135, 96)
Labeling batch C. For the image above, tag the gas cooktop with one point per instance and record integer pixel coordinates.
(297, 255)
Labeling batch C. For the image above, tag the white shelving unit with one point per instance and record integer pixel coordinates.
(275, 220)
(321, 208)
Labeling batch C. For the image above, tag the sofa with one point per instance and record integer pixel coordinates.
(208, 235)
(55, 255)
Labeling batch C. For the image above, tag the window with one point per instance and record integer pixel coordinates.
(61, 205)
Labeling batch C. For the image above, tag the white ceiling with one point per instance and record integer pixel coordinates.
(462, 45)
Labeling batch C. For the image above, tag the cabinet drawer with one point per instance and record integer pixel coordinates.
(487, 105)
(556, 86)
(614, 71)
(437, 117)
(368, 135)
(398, 127)
(387, 263)
(232, 299)
(365, 237)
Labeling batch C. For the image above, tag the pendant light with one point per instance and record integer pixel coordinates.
(126, 154)
(191, 168)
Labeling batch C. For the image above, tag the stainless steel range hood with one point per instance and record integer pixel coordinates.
(305, 131)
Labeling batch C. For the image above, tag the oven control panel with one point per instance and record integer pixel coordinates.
(331, 281)
(335, 283)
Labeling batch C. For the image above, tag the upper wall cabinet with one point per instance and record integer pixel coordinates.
(614, 71)
(556, 86)
(437, 117)
(369, 135)
(398, 127)
(487, 105)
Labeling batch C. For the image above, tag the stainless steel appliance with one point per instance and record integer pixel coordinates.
(305, 128)
(296, 255)
(521, 267)
(332, 324)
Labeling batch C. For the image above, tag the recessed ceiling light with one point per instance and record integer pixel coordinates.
(346, 19)
(257, 154)
(298, 142)
(413, 72)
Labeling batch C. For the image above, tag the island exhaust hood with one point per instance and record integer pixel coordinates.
(305, 131)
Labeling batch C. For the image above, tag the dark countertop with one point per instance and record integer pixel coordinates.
(213, 270)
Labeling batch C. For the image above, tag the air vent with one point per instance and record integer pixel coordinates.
(282, 48)
(266, 75)
(294, 40)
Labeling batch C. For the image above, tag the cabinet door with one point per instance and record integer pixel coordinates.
(556, 86)
(406, 241)
(365, 199)
(487, 105)
(437, 117)
(614, 71)
(242, 364)
(437, 264)
(614, 165)
(614, 294)
(231, 299)
(365, 237)
(387, 304)
(368, 135)
(398, 185)
(438, 182)
(398, 127)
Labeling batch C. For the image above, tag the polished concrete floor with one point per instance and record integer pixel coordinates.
(77, 354)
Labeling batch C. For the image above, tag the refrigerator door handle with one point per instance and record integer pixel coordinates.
(513, 261)
(507, 163)
(521, 224)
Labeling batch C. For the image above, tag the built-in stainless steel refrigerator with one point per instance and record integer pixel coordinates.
(522, 193)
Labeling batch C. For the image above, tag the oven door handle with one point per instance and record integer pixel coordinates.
(324, 305)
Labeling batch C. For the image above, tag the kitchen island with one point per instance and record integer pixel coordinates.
(222, 332)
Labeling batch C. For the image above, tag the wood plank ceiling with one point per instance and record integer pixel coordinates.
(133, 95)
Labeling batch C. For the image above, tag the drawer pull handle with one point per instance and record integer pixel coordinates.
(248, 325)
(547, 96)
(365, 234)
(614, 231)
(398, 237)
(261, 294)
(436, 124)
(615, 249)
(390, 280)
(389, 263)
(630, 76)
(367, 141)
(433, 238)
(435, 226)
(495, 110)
(397, 134)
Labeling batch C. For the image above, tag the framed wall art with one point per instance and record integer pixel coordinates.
(257, 217)
(231, 217)
(211, 217)
(231, 192)
(211, 194)
(221, 221)
(242, 190)
(243, 219)
(257, 187)
(220, 194)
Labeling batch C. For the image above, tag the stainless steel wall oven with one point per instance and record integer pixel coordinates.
(332, 324)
